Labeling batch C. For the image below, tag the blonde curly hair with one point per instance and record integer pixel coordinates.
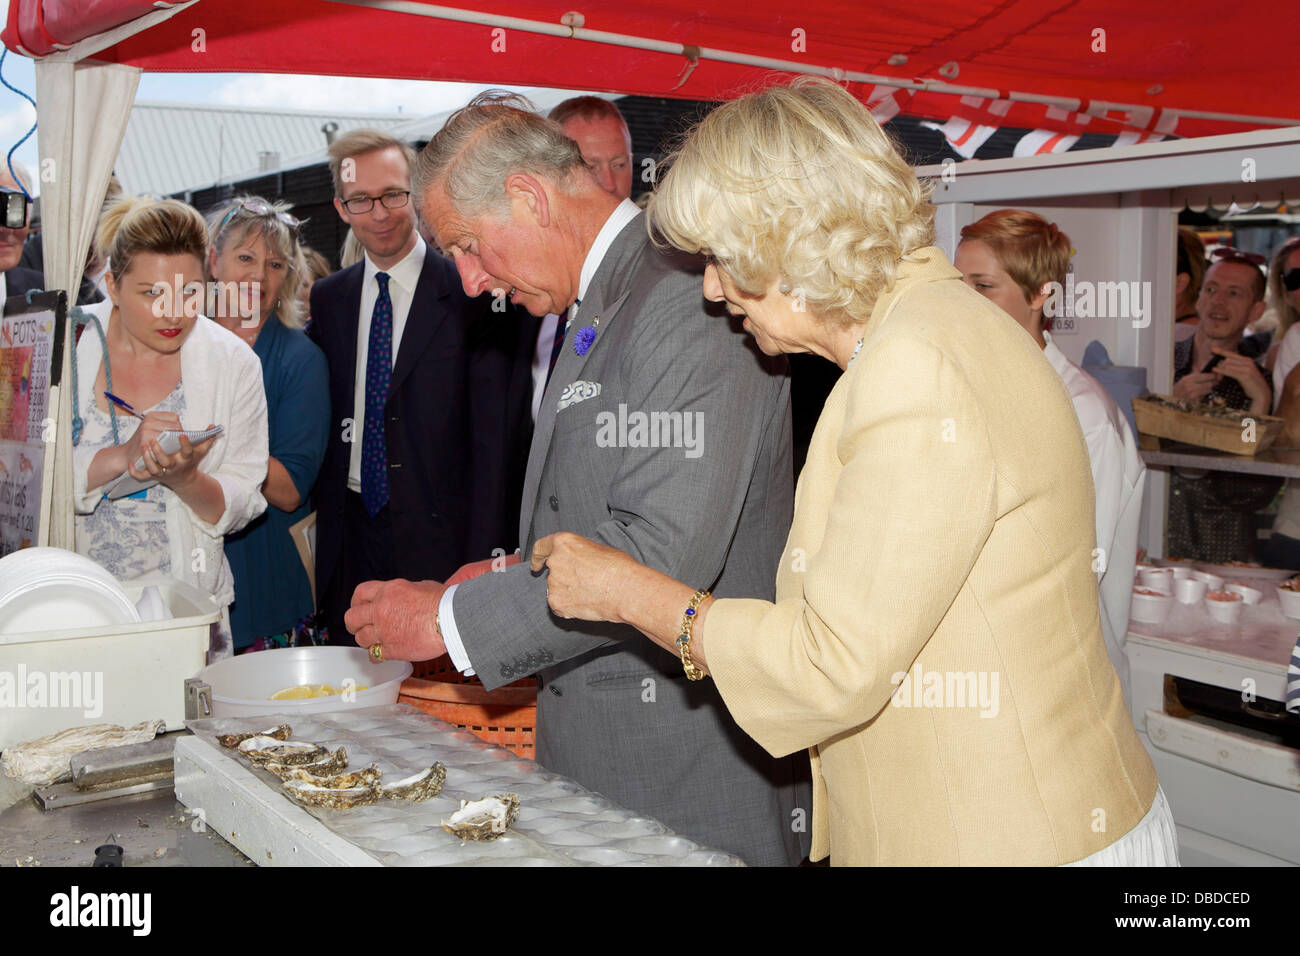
(797, 183)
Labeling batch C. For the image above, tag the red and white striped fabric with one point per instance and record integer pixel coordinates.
(980, 117)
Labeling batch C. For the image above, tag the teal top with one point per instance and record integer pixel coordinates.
(272, 592)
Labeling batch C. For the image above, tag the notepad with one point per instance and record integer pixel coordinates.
(170, 441)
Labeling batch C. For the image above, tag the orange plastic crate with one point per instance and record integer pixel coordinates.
(506, 716)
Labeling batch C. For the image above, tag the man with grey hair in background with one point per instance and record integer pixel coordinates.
(601, 132)
(511, 200)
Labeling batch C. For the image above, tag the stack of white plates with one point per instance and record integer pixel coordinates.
(50, 589)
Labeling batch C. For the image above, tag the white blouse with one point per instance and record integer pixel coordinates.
(223, 385)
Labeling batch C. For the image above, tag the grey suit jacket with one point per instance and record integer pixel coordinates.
(674, 446)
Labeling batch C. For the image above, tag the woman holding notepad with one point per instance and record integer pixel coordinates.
(164, 367)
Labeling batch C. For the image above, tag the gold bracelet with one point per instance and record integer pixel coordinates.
(684, 638)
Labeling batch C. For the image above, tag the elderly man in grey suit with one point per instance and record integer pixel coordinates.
(663, 433)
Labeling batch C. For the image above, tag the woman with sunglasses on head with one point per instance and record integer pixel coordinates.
(256, 267)
(160, 357)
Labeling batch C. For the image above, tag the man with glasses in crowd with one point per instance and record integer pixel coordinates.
(429, 396)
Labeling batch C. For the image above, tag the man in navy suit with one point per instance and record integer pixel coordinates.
(429, 391)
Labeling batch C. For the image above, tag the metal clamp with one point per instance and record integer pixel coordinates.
(198, 699)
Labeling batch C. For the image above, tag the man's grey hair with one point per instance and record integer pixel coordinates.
(498, 134)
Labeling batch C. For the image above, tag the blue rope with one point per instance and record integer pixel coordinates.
(81, 317)
(10, 159)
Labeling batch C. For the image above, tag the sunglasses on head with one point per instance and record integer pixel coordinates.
(258, 208)
(1229, 254)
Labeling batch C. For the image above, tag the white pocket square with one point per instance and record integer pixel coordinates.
(577, 392)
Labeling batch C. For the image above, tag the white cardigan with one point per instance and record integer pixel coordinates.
(223, 385)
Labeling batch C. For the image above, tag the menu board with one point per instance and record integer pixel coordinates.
(27, 341)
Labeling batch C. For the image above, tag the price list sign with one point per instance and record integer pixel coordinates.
(26, 354)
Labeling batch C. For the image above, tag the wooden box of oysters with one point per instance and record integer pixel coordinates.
(1207, 424)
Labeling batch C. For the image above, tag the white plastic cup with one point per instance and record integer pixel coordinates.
(1150, 608)
(1181, 573)
(1159, 579)
(1248, 594)
(1190, 591)
(1290, 601)
(1224, 606)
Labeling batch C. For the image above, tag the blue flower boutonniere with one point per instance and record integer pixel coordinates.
(583, 339)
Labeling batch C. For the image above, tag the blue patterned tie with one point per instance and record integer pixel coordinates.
(379, 372)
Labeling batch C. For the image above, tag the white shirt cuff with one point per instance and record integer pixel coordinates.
(451, 636)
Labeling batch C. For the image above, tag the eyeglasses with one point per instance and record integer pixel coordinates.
(394, 199)
(258, 208)
(1229, 254)
(1291, 279)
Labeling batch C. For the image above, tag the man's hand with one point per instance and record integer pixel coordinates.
(400, 614)
(584, 580)
(1195, 386)
(475, 568)
(1248, 375)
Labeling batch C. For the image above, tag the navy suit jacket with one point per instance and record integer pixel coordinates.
(457, 423)
(19, 280)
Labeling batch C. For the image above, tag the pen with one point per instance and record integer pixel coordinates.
(121, 404)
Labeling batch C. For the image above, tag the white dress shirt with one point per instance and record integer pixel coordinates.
(623, 213)
(402, 281)
(1118, 477)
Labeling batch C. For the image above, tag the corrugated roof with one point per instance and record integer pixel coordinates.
(170, 147)
(409, 128)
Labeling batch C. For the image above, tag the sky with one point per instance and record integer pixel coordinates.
(236, 89)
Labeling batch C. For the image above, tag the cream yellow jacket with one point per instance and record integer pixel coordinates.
(936, 639)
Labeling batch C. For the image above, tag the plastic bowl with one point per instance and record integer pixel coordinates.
(1189, 591)
(1248, 594)
(242, 686)
(1160, 579)
(1214, 581)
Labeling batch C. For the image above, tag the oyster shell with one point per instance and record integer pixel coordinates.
(417, 787)
(231, 741)
(334, 763)
(263, 749)
(340, 798)
(365, 777)
(484, 819)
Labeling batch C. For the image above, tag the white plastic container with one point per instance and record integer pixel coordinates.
(242, 686)
(1213, 581)
(1290, 601)
(1224, 606)
(1150, 608)
(1248, 594)
(1161, 579)
(1189, 591)
(120, 674)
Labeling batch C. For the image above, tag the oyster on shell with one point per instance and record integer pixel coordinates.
(332, 764)
(417, 787)
(365, 777)
(484, 819)
(230, 741)
(262, 749)
(337, 798)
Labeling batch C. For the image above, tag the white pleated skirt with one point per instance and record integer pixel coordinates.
(1153, 842)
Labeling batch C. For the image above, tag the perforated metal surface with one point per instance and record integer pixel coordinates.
(560, 822)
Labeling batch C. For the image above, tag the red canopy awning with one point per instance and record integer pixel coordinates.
(1205, 57)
